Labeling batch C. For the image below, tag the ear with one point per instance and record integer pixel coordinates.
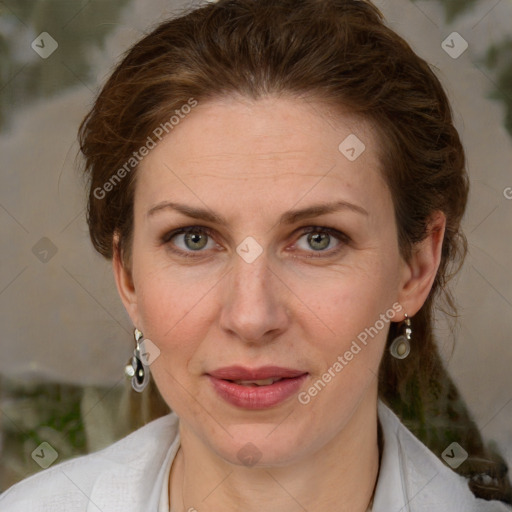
(421, 269)
(124, 282)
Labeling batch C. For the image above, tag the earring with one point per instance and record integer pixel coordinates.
(136, 369)
(401, 347)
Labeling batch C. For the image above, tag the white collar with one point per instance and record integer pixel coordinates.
(132, 474)
(411, 477)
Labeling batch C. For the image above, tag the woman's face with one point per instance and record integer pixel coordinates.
(251, 287)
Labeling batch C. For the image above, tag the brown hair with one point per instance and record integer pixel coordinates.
(336, 51)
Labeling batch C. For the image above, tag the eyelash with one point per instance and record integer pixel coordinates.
(341, 237)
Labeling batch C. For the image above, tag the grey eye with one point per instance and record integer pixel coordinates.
(195, 241)
(318, 241)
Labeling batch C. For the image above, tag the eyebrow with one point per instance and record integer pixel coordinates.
(289, 217)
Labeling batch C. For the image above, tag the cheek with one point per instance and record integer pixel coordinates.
(358, 310)
(355, 309)
(169, 319)
(351, 299)
(163, 295)
(175, 310)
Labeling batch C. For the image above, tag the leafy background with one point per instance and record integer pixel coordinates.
(498, 57)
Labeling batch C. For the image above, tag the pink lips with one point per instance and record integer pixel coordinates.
(264, 372)
(256, 397)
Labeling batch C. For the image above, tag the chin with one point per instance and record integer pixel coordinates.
(259, 445)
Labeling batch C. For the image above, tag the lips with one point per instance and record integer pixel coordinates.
(256, 388)
(240, 373)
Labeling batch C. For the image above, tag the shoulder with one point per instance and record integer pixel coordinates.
(422, 480)
(122, 471)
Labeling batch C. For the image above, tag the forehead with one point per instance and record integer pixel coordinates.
(277, 149)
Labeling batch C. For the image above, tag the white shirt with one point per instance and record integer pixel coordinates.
(132, 475)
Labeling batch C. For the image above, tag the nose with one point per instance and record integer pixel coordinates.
(255, 302)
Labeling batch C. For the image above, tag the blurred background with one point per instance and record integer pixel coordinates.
(65, 337)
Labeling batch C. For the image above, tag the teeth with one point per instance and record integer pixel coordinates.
(265, 382)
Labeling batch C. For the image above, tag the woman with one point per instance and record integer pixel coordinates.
(280, 187)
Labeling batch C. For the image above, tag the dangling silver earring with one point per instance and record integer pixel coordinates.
(135, 369)
(401, 346)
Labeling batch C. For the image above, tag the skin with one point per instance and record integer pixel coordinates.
(251, 161)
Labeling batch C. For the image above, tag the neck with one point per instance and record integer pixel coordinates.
(341, 475)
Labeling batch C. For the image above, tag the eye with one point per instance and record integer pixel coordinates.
(194, 240)
(320, 238)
